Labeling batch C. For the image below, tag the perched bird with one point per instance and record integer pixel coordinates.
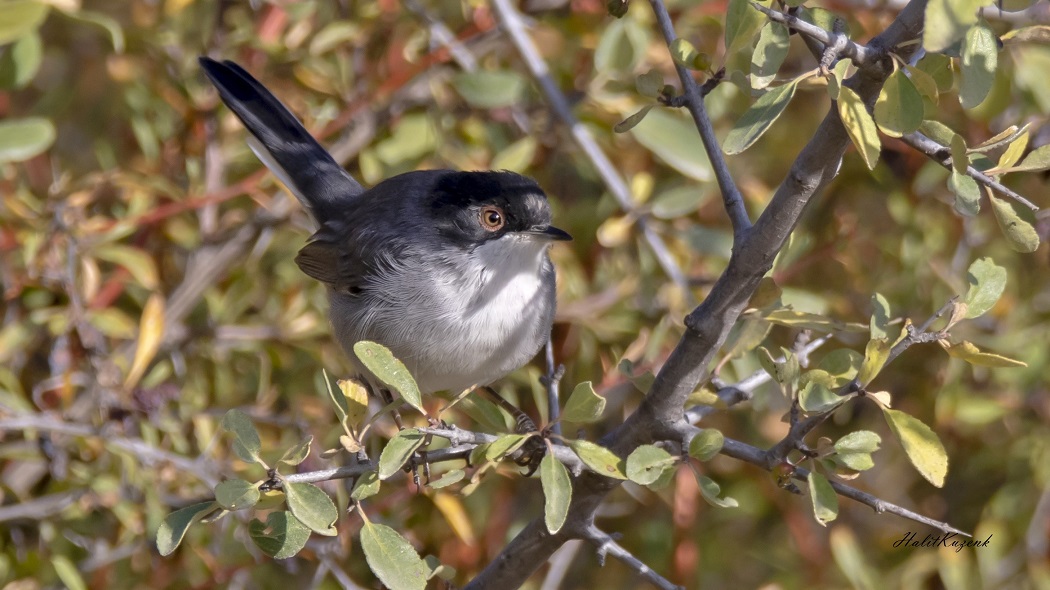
(449, 270)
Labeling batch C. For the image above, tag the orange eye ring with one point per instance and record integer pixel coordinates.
(491, 218)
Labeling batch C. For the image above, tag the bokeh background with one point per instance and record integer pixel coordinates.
(138, 184)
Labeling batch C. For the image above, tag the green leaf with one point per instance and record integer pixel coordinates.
(661, 133)
(67, 572)
(710, 490)
(517, 156)
(880, 316)
(706, 444)
(980, 55)
(621, 46)
(22, 139)
(810, 321)
(381, 362)
(876, 353)
(236, 494)
(860, 126)
(366, 486)
(557, 491)
(504, 445)
(1037, 160)
(137, 262)
(111, 26)
(937, 131)
(841, 366)
(967, 193)
(398, 451)
(598, 458)
(968, 352)
(855, 461)
(633, 121)
(987, 282)
(683, 53)
(392, 558)
(281, 536)
(1017, 223)
(899, 108)
(450, 477)
(947, 22)
(922, 82)
(650, 83)
(825, 501)
(921, 444)
(742, 22)
(816, 397)
(758, 118)
(584, 405)
(1012, 154)
(174, 527)
(312, 507)
(19, 18)
(489, 89)
(648, 463)
(769, 54)
(861, 441)
(246, 443)
(19, 64)
(298, 453)
(679, 201)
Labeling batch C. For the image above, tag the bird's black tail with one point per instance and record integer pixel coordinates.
(281, 142)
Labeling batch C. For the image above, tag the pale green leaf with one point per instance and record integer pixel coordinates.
(921, 444)
(980, 55)
(662, 133)
(710, 490)
(312, 507)
(648, 463)
(137, 262)
(392, 558)
(381, 362)
(584, 405)
(880, 316)
(517, 156)
(20, 63)
(353, 401)
(557, 491)
(298, 453)
(67, 572)
(679, 201)
(281, 536)
(742, 22)
(683, 53)
(246, 443)
(987, 281)
(1017, 223)
(650, 83)
(598, 458)
(758, 118)
(398, 451)
(633, 121)
(947, 22)
(825, 500)
(968, 352)
(899, 108)
(860, 126)
(769, 54)
(861, 441)
(1037, 160)
(706, 444)
(366, 486)
(174, 527)
(489, 89)
(19, 18)
(967, 193)
(22, 139)
(236, 494)
(504, 445)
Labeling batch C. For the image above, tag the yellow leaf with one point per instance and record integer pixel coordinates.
(968, 352)
(452, 509)
(151, 330)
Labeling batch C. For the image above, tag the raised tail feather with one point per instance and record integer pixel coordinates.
(282, 143)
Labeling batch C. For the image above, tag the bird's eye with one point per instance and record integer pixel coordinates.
(492, 218)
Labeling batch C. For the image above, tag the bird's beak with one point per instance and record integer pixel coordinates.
(548, 232)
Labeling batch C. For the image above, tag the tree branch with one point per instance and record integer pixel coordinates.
(694, 102)
(606, 545)
(837, 42)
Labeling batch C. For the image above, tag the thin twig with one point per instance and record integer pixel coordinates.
(694, 102)
(756, 456)
(512, 23)
(942, 155)
(606, 545)
(860, 54)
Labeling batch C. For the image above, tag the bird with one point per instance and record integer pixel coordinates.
(450, 270)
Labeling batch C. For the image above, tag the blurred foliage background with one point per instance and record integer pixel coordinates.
(122, 179)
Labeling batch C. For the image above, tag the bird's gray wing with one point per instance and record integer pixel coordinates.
(284, 146)
(338, 258)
